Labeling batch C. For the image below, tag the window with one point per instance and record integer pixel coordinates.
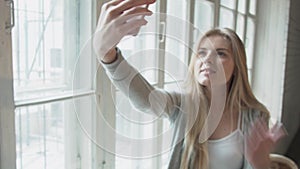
(239, 15)
(130, 123)
(162, 58)
(53, 83)
(57, 122)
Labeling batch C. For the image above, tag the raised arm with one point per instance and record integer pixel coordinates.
(143, 95)
(120, 18)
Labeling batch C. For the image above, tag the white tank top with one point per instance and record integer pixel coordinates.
(227, 152)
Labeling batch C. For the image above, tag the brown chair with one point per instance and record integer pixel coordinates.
(282, 162)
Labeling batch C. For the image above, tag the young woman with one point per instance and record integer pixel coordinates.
(218, 121)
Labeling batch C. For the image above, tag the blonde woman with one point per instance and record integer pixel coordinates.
(238, 138)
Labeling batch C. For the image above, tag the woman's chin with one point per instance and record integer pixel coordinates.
(204, 82)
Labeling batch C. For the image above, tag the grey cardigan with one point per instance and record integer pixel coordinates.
(159, 102)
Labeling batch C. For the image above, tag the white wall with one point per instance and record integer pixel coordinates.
(291, 97)
(268, 66)
(276, 79)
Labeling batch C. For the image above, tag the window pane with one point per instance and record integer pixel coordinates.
(240, 26)
(250, 76)
(250, 42)
(226, 18)
(40, 136)
(228, 3)
(242, 6)
(46, 45)
(143, 59)
(176, 40)
(252, 7)
(204, 15)
(141, 51)
(175, 69)
(134, 125)
(47, 135)
(131, 124)
(48, 42)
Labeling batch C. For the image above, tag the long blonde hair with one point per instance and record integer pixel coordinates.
(239, 96)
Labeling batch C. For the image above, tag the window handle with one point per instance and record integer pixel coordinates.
(162, 30)
(11, 24)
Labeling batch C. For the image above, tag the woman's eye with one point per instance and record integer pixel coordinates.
(221, 54)
(201, 53)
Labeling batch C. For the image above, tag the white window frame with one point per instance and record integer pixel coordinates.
(109, 107)
(100, 157)
(8, 103)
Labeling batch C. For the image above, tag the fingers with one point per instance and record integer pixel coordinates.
(259, 130)
(136, 13)
(118, 7)
(121, 11)
(131, 27)
(128, 4)
(119, 18)
(277, 132)
(133, 19)
(258, 135)
(111, 3)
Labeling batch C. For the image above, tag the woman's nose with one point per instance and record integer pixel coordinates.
(208, 58)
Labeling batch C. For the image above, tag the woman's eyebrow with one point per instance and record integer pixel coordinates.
(218, 49)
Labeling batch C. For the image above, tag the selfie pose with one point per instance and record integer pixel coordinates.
(218, 122)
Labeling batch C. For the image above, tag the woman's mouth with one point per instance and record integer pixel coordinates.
(207, 71)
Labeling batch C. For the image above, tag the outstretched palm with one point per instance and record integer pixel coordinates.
(260, 142)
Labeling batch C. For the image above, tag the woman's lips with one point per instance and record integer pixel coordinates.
(207, 71)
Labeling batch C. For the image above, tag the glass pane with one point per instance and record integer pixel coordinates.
(228, 3)
(177, 8)
(40, 136)
(46, 135)
(175, 69)
(250, 76)
(176, 38)
(46, 45)
(176, 41)
(226, 18)
(242, 6)
(250, 42)
(141, 50)
(252, 7)
(240, 26)
(204, 16)
(134, 125)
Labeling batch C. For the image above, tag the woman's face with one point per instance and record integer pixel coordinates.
(214, 62)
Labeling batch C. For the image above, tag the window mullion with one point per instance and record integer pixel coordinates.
(190, 34)
(246, 21)
(235, 14)
(161, 76)
(7, 114)
(217, 13)
(50, 99)
(162, 42)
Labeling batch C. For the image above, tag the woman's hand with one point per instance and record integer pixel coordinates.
(260, 142)
(117, 19)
